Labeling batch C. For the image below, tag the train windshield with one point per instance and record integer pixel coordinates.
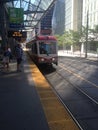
(47, 48)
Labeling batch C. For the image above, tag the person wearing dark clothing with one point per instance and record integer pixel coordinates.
(10, 56)
(6, 56)
(18, 55)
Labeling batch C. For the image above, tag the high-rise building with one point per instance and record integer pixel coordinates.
(67, 15)
(90, 7)
(58, 20)
(90, 20)
(73, 14)
(46, 23)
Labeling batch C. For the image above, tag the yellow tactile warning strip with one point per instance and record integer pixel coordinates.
(57, 116)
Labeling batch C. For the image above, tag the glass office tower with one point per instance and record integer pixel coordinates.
(46, 23)
(73, 17)
(67, 15)
(92, 7)
(90, 20)
(58, 21)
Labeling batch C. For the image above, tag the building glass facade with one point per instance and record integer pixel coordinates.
(92, 7)
(73, 17)
(46, 22)
(67, 15)
(58, 21)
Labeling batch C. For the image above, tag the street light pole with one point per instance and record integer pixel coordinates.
(86, 39)
(86, 44)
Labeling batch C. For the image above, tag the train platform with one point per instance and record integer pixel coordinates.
(28, 102)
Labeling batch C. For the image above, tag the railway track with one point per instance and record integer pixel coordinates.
(77, 92)
(57, 116)
(82, 90)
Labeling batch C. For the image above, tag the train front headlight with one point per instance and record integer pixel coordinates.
(42, 59)
(53, 59)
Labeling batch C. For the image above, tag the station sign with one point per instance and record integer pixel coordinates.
(17, 34)
(14, 25)
(16, 17)
(46, 31)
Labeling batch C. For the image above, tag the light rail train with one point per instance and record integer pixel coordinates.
(43, 50)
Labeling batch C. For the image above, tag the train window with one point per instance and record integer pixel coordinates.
(34, 48)
(53, 48)
(47, 48)
(42, 48)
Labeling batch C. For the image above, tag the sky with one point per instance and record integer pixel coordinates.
(17, 3)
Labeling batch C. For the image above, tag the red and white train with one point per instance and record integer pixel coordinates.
(43, 50)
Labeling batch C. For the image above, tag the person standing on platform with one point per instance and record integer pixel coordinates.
(10, 56)
(18, 55)
(6, 56)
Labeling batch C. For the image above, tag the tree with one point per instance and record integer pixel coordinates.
(60, 41)
(68, 38)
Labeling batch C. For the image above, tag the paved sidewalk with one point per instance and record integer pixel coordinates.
(90, 56)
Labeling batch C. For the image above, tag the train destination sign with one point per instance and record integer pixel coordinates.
(17, 34)
(14, 34)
